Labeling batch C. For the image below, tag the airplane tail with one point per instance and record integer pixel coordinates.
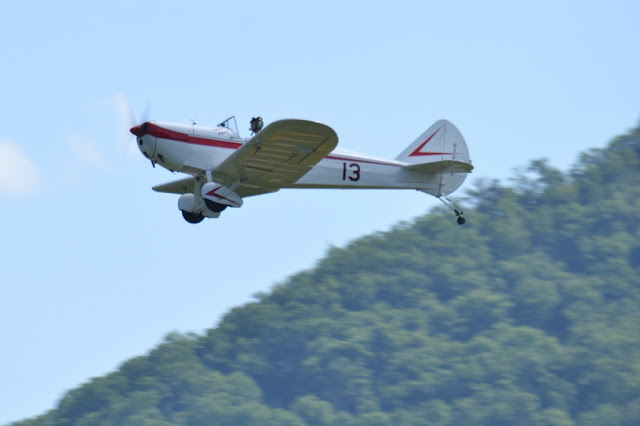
(442, 146)
(440, 150)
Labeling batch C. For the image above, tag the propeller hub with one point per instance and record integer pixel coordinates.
(137, 130)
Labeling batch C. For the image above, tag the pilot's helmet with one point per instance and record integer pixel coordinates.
(256, 124)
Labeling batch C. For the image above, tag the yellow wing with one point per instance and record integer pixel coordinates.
(278, 156)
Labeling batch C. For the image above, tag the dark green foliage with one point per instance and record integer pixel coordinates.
(529, 314)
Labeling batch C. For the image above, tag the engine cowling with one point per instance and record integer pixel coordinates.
(220, 194)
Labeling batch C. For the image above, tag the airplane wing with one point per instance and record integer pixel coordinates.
(278, 156)
(188, 185)
(181, 186)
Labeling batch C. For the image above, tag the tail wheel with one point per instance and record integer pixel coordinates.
(447, 202)
(192, 217)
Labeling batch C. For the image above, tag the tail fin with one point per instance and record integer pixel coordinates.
(440, 149)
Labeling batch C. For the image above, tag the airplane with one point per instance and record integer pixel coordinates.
(224, 168)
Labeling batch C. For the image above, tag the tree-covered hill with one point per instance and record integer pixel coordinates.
(527, 315)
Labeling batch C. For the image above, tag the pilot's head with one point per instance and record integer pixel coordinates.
(256, 124)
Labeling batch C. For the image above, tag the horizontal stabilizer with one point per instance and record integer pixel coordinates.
(444, 166)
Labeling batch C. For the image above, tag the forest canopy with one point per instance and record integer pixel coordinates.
(528, 314)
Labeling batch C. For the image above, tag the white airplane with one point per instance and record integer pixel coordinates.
(225, 168)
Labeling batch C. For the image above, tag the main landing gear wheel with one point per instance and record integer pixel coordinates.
(213, 206)
(192, 217)
(461, 220)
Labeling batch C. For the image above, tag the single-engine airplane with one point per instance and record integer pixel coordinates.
(225, 168)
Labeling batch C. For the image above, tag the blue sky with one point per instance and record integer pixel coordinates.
(97, 268)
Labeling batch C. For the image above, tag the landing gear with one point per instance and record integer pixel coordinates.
(447, 202)
(213, 206)
(192, 217)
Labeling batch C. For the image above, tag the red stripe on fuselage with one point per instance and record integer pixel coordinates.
(161, 132)
(357, 160)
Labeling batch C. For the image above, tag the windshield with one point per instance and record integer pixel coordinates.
(230, 123)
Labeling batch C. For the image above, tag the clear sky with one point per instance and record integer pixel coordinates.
(96, 268)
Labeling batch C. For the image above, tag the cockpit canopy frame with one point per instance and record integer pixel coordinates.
(230, 123)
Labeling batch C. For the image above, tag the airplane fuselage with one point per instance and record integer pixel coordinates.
(192, 148)
(224, 168)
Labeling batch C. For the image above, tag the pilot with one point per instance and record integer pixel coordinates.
(256, 125)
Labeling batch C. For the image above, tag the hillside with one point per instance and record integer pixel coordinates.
(529, 314)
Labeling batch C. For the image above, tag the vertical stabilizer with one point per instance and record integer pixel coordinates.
(440, 142)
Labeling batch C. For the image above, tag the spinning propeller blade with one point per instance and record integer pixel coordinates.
(128, 120)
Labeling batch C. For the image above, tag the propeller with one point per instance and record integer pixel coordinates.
(127, 122)
(138, 126)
